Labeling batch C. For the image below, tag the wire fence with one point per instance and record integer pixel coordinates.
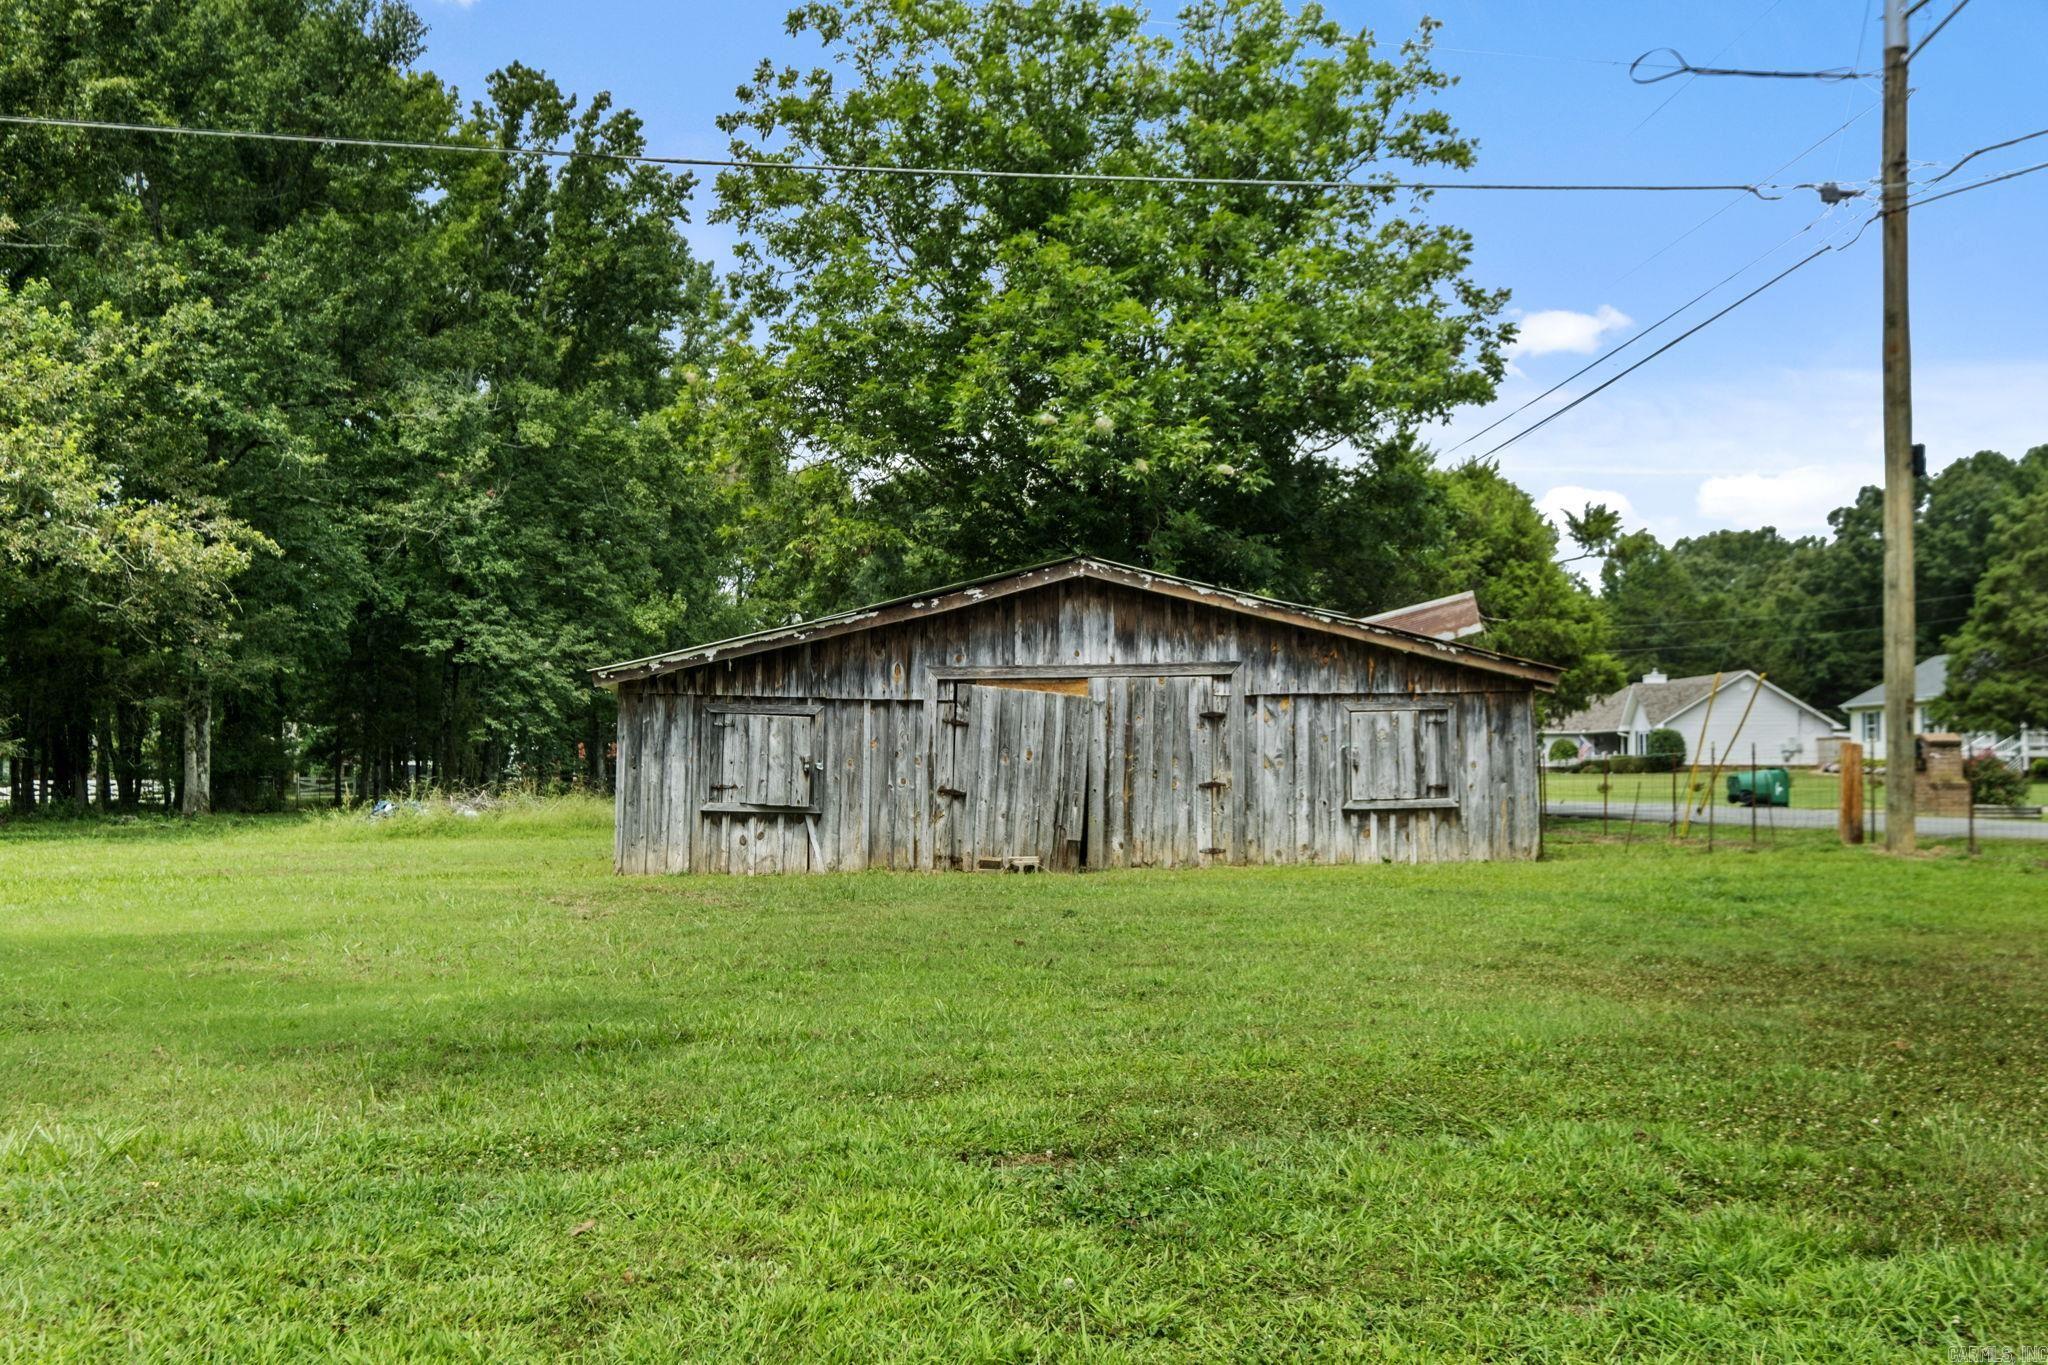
(1714, 803)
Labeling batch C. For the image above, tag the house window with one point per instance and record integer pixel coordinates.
(764, 759)
(1399, 758)
(1872, 720)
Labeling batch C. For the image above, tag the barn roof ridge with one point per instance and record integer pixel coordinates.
(969, 592)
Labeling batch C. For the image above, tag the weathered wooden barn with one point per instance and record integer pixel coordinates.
(1081, 714)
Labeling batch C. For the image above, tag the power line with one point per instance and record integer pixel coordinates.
(1725, 641)
(856, 168)
(1927, 199)
(1841, 128)
(1783, 615)
(1530, 56)
(1928, 37)
(1862, 40)
(1762, 14)
(1979, 184)
(1972, 156)
(1679, 66)
(1613, 351)
(1690, 331)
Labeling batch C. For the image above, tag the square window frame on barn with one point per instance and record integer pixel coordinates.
(1071, 716)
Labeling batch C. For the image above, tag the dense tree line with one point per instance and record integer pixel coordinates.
(1808, 610)
(331, 456)
(317, 458)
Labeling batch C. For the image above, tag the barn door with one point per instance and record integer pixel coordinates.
(1168, 801)
(760, 809)
(1012, 773)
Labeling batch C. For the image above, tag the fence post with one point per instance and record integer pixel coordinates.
(1606, 781)
(1711, 803)
(1849, 820)
(1752, 794)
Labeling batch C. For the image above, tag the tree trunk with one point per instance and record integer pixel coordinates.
(451, 689)
(198, 792)
(66, 765)
(128, 722)
(166, 768)
(21, 771)
(103, 745)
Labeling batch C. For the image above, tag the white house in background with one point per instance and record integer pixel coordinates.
(1785, 730)
(1930, 679)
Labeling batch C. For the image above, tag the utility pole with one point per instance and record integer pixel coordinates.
(1901, 737)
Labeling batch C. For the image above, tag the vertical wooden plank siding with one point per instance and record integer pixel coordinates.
(1269, 758)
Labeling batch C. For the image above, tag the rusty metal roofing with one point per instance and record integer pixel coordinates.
(1444, 618)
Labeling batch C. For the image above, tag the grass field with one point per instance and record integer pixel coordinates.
(448, 1089)
(1810, 790)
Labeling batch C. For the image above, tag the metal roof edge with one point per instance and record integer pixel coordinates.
(972, 591)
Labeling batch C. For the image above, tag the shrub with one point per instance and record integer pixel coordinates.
(1563, 750)
(1667, 745)
(1992, 783)
(2039, 772)
(1626, 763)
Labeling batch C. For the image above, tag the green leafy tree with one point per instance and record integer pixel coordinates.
(433, 382)
(1504, 550)
(1186, 376)
(1696, 606)
(1956, 533)
(1998, 660)
(88, 568)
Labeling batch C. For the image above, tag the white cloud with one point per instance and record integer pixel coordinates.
(1561, 329)
(1796, 501)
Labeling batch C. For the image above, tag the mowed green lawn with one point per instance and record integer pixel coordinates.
(445, 1088)
(1810, 790)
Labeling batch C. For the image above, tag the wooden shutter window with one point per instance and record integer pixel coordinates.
(765, 762)
(1398, 757)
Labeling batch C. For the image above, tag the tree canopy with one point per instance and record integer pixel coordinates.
(1186, 376)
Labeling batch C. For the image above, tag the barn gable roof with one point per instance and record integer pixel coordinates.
(959, 596)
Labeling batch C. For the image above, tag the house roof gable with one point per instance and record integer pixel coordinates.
(1608, 715)
(1930, 680)
(1767, 686)
(964, 595)
(1661, 703)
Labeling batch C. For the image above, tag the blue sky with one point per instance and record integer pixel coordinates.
(1771, 416)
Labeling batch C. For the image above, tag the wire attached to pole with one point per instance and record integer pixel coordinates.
(1679, 66)
(865, 168)
(1928, 36)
